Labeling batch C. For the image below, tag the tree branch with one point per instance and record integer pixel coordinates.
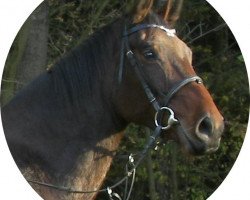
(217, 28)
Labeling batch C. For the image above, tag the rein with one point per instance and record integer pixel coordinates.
(131, 166)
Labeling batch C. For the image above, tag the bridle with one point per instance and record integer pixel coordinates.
(131, 166)
(138, 68)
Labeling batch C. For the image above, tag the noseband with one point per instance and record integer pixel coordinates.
(138, 68)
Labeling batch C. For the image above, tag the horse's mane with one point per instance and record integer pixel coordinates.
(81, 69)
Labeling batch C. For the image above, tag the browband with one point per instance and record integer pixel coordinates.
(170, 32)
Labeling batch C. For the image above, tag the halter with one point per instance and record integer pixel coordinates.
(137, 66)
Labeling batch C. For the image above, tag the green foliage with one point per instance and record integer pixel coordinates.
(74, 21)
(9, 82)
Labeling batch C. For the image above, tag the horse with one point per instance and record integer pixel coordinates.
(65, 126)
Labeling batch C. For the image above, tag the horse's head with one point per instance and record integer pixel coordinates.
(164, 64)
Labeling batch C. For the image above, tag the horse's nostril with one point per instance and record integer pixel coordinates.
(204, 128)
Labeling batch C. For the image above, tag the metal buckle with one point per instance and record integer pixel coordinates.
(171, 119)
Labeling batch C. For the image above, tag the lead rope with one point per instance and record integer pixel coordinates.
(126, 193)
(132, 171)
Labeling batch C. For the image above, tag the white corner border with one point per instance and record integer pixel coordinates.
(236, 184)
(13, 13)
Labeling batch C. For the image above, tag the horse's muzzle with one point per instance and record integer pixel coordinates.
(209, 133)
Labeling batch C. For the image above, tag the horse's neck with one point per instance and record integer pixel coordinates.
(87, 175)
(65, 145)
(65, 148)
(92, 167)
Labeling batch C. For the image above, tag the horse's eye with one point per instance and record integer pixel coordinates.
(149, 54)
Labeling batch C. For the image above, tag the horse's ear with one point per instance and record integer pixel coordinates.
(140, 10)
(171, 11)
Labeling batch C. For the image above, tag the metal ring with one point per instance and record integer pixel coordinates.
(171, 118)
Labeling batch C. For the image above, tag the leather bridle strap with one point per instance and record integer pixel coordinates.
(139, 72)
(170, 32)
(137, 67)
(181, 84)
(134, 29)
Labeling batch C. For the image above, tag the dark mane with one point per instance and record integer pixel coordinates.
(77, 73)
(79, 70)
